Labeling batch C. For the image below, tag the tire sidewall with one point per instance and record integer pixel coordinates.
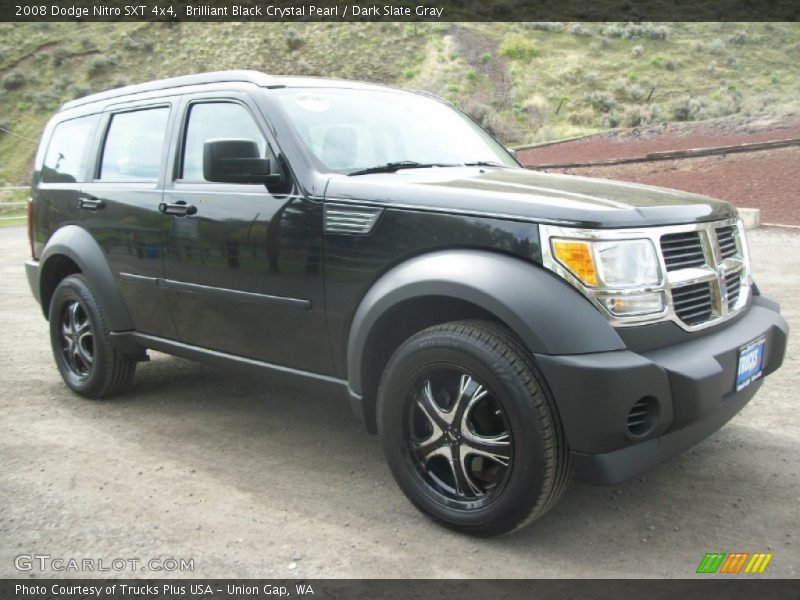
(527, 481)
(73, 288)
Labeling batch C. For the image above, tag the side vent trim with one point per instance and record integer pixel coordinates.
(354, 220)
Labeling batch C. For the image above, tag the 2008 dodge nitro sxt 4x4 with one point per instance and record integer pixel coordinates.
(499, 328)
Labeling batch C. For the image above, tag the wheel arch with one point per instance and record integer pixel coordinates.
(70, 250)
(458, 284)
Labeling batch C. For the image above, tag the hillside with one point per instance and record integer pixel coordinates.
(526, 82)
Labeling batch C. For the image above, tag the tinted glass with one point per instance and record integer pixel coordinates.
(348, 130)
(133, 145)
(216, 121)
(63, 162)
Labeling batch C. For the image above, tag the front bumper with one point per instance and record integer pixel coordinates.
(693, 384)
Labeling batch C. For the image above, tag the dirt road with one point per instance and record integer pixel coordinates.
(252, 480)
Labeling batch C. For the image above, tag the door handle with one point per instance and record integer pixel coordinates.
(89, 202)
(177, 209)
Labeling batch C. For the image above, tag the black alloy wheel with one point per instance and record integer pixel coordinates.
(89, 362)
(460, 440)
(469, 428)
(77, 341)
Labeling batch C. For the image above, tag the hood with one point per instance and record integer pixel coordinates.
(527, 195)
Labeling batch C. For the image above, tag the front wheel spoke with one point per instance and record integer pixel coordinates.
(470, 393)
(465, 486)
(72, 358)
(496, 448)
(84, 355)
(73, 316)
(430, 447)
(433, 413)
(83, 328)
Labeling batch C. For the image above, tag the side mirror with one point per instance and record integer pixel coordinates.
(237, 161)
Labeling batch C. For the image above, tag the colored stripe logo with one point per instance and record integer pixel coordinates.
(734, 562)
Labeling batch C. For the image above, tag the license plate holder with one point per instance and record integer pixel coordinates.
(750, 365)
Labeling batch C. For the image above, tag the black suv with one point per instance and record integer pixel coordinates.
(499, 328)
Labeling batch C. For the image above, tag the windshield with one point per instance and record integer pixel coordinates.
(348, 131)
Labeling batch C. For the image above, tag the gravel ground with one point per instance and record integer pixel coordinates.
(253, 480)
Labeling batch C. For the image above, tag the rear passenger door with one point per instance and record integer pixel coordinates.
(63, 172)
(120, 207)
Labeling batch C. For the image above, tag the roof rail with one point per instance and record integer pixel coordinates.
(256, 77)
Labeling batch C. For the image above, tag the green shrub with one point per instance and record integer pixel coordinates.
(516, 46)
(738, 39)
(580, 30)
(670, 65)
(637, 116)
(58, 56)
(548, 26)
(409, 73)
(486, 57)
(687, 109)
(610, 120)
(471, 75)
(13, 81)
(101, 64)
(717, 46)
(600, 100)
(293, 40)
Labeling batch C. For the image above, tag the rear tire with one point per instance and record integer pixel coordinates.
(470, 431)
(87, 359)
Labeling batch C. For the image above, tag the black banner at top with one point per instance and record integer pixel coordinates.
(398, 10)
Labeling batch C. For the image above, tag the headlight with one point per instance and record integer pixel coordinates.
(609, 264)
(618, 270)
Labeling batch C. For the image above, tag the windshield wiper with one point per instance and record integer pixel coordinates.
(483, 163)
(391, 167)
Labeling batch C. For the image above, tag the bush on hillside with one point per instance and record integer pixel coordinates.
(516, 46)
(600, 100)
(101, 64)
(13, 81)
(293, 40)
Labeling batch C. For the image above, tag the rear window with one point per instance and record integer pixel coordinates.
(134, 144)
(64, 160)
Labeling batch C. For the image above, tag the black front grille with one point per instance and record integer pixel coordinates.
(727, 241)
(693, 303)
(733, 282)
(682, 250)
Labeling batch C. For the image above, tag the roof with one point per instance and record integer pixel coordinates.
(254, 77)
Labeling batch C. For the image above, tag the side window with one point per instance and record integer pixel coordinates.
(133, 146)
(63, 162)
(215, 121)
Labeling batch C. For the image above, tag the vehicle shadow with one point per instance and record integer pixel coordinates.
(243, 431)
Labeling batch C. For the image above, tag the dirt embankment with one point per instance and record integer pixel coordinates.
(765, 179)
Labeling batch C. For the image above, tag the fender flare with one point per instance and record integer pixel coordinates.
(78, 245)
(549, 315)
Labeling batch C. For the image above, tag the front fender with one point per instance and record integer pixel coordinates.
(548, 315)
(80, 247)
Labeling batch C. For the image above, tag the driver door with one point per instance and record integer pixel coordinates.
(243, 272)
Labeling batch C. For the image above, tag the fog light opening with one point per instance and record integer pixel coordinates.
(643, 416)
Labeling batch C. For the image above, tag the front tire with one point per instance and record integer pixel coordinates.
(469, 430)
(87, 359)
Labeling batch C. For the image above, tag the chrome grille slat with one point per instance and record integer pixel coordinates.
(698, 303)
(682, 250)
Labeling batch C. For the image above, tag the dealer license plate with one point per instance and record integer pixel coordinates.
(751, 363)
